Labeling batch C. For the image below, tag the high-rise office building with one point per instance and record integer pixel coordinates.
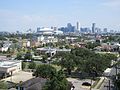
(78, 26)
(105, 30)
(97, 30)
(112, 31)
(55, 28)
(93, 27)
(38, 29)
(70, 27)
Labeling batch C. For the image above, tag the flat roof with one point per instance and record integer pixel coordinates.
(9, 63)
(53, 49)
(20, 76)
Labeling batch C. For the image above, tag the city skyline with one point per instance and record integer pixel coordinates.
(24, 14)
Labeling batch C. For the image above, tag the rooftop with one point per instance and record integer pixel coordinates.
(9, 63)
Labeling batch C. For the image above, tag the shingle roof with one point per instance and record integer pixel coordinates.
(34, 84)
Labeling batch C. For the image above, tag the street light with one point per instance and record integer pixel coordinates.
(109, 85)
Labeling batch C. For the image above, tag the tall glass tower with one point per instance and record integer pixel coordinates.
(93, 27)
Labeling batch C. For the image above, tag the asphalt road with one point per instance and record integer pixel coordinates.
(78, 83)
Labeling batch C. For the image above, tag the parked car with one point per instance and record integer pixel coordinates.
(86, 84)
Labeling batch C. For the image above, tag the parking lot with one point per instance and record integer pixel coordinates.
(19, 76)
(78, 83)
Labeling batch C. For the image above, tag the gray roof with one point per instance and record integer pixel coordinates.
(34, 84)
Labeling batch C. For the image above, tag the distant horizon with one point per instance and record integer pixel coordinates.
(24, 14)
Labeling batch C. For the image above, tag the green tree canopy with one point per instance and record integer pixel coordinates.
(19, 56)
(32, 65)
(67, 62)
(3, 85)
(45, 71)
(58, 82)
(28, 55)
(23, 65)
(92, 45)
(82, 58)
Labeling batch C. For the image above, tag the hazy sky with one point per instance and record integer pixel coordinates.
(24, 14)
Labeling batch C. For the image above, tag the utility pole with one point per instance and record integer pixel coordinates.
(116, 68)
(109, 85)
(116, 76)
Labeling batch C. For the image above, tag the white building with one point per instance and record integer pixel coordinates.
(49, 31)
(57, 32)
(28, 43)
(45, 31)
(9, 67)
(52, 51)
(47, 39)
(5, 47)
(41, 38)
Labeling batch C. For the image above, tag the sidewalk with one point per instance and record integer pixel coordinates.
(99, 83)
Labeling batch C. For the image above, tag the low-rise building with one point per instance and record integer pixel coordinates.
(52, 51)
(26, 43)
(33, 84)
(5, 47)
(47, 39)
(9, 67)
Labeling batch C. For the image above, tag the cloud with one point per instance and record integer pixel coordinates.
(112, 3)
(12, 21)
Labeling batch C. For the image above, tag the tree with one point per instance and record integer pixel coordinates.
(60, 47)
(45, 71)
(55, 79)
(96, 62)
(67, 46)
(44, 58)
(32, 65)
(92, 45)
(67, 62)
(3, 85)
(28, 55)
(23, 65)
(19, 56)
(14, 40)
(58, 82)
(82, 58)
(3, 38)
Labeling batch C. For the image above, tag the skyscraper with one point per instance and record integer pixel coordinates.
(93, 27)
(70, 27)
(78, 26)
(105, 30)
(38, 29)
